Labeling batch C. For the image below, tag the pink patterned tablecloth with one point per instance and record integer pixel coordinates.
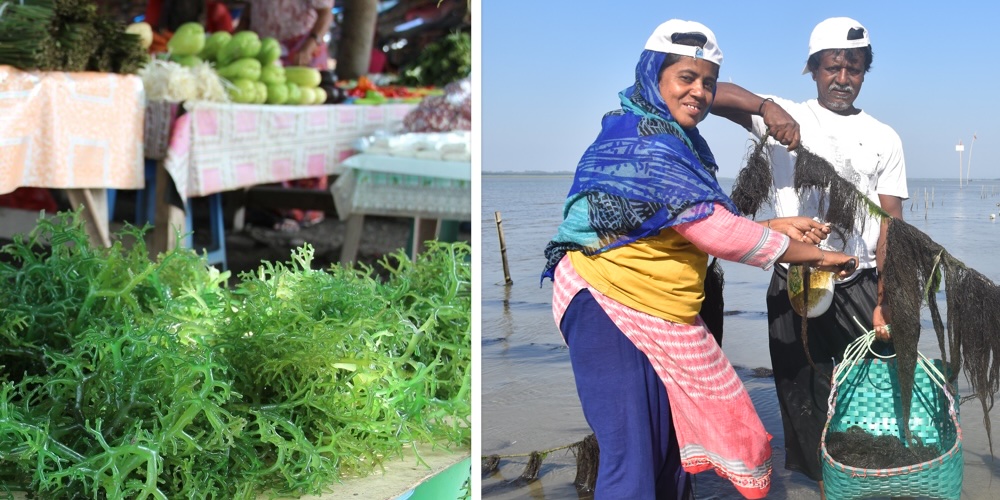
(220, 147)
(70, 130)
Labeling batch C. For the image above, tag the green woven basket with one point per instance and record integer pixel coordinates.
(867, 395)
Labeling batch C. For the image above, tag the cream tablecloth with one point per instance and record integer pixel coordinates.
(82, 132)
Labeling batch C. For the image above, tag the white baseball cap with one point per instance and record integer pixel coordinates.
(837, 33)
(662, 40)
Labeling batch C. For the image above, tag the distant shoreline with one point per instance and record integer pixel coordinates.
(569, 173)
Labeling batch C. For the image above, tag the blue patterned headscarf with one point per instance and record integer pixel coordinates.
(642, 174)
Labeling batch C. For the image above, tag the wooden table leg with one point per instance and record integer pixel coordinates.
(95, 212)
(169, 220)
(423, 230)
(352, 239)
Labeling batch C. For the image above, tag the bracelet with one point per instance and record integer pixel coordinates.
(760, 109)
(822, 257)
(769, 223)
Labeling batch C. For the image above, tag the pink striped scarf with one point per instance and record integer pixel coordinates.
(716, 424)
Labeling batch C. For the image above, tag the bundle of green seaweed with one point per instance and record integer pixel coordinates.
(843, 205)
(66, 35)
(122, 377)
(912, 272)
(752, 187)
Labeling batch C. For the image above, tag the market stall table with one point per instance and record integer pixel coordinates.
(427, 189)
(216, 147)
(80, 132)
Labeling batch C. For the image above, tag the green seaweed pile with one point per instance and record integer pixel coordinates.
(122, 377)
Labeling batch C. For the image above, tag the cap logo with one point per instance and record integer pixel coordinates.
(856, 34)
(699, 53)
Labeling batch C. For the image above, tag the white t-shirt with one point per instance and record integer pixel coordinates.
(862, 149)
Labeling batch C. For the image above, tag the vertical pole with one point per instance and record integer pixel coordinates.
(968, 167)
(503, 250)
(960, 148)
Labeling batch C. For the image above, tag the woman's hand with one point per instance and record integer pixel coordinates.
(305, 54)
(802, 229)
(780, 124)
(880, 320)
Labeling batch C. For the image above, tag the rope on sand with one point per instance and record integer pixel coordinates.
(587, 455)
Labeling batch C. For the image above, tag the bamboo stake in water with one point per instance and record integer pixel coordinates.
(503, 250)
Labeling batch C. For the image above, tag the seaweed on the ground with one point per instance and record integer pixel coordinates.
(534, 465)
(587, 458)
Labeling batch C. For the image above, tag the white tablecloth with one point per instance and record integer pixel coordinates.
(220, 147)
(408, 187)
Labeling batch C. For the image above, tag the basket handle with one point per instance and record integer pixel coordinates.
(855, 351)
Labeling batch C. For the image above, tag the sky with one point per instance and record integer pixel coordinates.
(550, 69)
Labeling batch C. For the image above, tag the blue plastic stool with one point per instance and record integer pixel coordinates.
(216, 249)
(112, 194)
(145, 199)
(145, 208)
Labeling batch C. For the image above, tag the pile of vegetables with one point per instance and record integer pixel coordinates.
(66, 35)
(122, 377)
(249, 63)
(365, 91)
(172, 82)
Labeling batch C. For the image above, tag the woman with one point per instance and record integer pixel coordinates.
(170, 14)
(629, 264)
(301, 27)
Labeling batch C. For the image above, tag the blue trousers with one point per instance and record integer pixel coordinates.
(626, 405)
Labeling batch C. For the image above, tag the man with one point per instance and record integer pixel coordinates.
(865, 152)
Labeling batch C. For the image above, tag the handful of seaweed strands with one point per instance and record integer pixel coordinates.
(914, 268)
(66, 35)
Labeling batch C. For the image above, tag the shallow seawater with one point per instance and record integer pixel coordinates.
(529, 400)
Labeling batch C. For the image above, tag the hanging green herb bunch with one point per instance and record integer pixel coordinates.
(66, 35)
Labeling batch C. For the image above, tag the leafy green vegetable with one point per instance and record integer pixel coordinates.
(122, 377)
(441, 62)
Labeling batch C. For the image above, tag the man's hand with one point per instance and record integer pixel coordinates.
(780, 125)
(880, 319)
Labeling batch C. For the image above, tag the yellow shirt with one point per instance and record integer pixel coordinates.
(663, 276)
